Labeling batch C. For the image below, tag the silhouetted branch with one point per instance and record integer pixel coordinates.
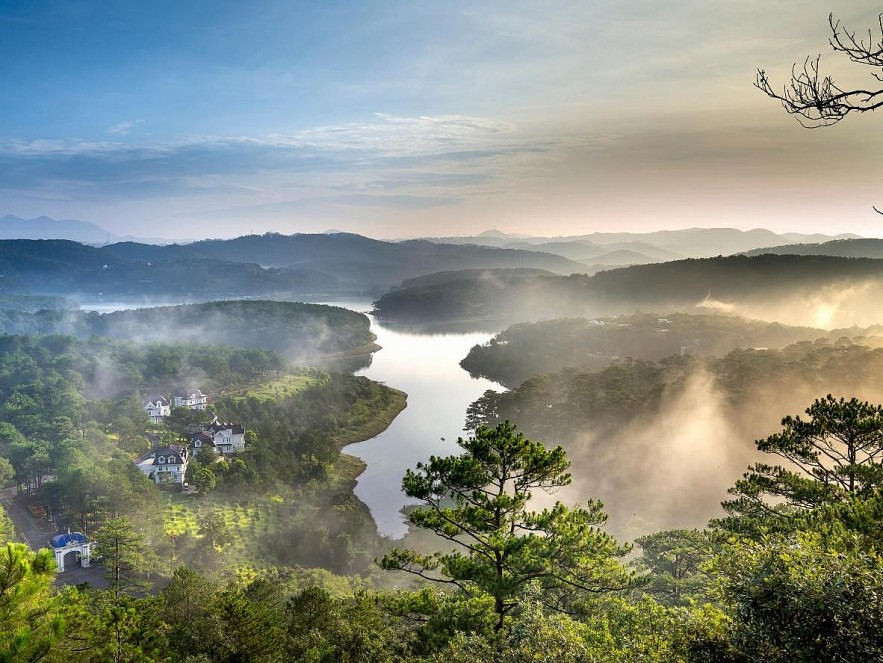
(816, 100)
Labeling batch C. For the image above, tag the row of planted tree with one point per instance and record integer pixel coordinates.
(791, 573)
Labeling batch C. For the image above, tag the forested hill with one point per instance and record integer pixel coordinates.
(845, 248)
(298, 331)
(767, 280)
(438, 278)
(528, 349)
(62, 267)
(253, 265)
(349, 256)
(635, 425)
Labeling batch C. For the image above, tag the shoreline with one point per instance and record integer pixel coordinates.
(365, 349)
(381, 420)
(351, 467)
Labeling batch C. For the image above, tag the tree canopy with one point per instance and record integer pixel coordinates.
(478, 502)
(832, 455)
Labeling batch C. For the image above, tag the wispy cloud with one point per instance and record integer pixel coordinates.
(388, 161)
(123, 128)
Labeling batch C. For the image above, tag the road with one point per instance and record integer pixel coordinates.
(37, 537)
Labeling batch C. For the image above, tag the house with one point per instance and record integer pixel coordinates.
(222, 438)
(156, 408)
(195, 401)
(165, 465)
(203, 439)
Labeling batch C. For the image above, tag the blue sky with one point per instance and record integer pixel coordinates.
(410, 118)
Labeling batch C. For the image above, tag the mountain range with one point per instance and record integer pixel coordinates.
(600, 250)
(44, 227)
(655, 246)
(253, 265)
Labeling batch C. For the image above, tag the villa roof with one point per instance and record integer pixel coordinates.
(62, 540)
(217, 426)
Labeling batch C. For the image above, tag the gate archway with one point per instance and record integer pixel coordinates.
(72, 542)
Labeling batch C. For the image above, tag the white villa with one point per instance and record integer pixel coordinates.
(195, 401)
(223, 438)
(165, 465)
(157, 408)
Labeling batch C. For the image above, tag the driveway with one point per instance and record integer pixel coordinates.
(36, 534)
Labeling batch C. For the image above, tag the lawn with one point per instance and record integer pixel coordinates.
(282, 388)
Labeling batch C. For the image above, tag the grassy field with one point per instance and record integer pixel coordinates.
(245, 524)
(179, 518)
(279, 389)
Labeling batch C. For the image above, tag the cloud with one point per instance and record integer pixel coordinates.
(389, 161)
(123, 128)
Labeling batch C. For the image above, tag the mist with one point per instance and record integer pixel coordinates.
(668, 460)
(832, 306)
(667, 470)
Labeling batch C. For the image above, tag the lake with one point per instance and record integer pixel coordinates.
(426, 366)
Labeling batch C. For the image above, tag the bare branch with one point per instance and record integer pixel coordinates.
(815, 99)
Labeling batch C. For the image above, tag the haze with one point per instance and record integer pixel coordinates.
(399, 119)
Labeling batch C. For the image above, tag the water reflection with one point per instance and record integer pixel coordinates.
(426, 366)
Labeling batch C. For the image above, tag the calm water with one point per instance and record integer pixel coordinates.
(426, 366)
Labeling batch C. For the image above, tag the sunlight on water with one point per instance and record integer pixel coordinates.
(426, 367)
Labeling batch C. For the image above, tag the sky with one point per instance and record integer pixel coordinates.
(216, 118)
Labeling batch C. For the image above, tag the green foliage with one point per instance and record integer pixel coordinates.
(244, 629)
(560, 407)
(324, 629)
(764, 280)
(478, 503)
(674, 561)
(185, 421)
(29, 622)
(803, 597)
(125, 554)
(293, 329)
(835, 454)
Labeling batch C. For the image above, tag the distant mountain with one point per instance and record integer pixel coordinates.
(647, 249)
(695, 242)
(572, 250)
(817, 238)
(660, 245)
(500, 234)
(844, 248)
(44, 227)
(621, 258)
(267, 266)
(363, 262)
(62, 267)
